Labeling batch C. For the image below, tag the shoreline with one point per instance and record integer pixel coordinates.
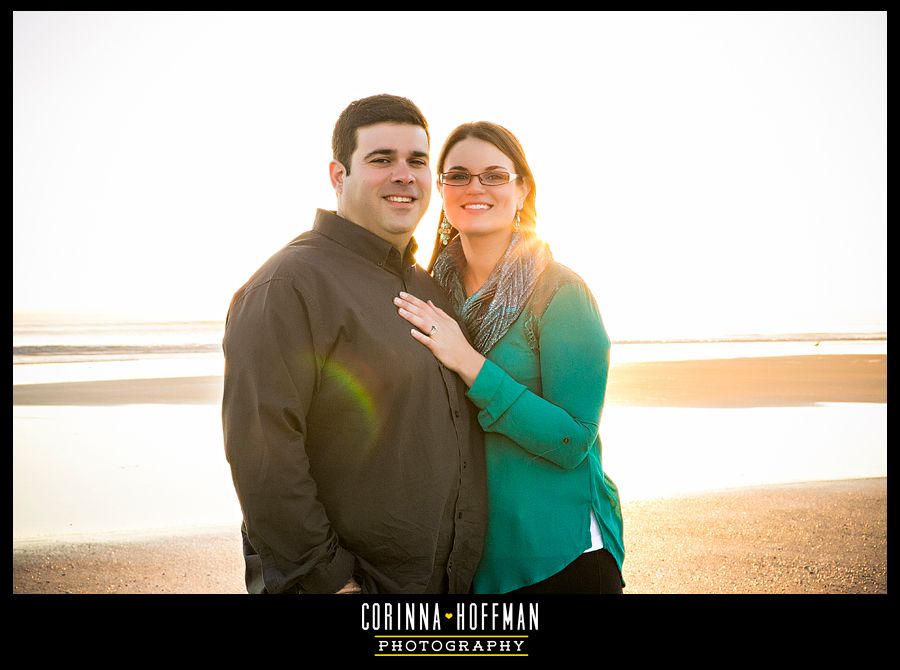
(805, 537)
(729, 382)
(156, 534)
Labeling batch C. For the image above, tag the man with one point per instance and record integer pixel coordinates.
(355, 455)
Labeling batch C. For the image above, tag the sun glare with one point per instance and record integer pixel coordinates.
(698, 184)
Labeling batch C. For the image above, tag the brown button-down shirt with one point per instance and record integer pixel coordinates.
(353, 451)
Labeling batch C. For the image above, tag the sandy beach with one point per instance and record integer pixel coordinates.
(750, 382)
(737, 382)
(815, 537)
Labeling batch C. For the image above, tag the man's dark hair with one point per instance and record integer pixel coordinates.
(382, 108)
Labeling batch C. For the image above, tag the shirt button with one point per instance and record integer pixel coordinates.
(456, 413)
(565, 440)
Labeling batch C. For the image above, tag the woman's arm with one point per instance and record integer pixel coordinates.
(562, 424)
(440, 332)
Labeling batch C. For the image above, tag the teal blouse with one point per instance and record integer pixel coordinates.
(540, 395)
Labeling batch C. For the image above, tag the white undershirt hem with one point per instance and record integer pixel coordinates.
(596, 540)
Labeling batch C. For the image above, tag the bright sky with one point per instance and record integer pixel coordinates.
(707, 173)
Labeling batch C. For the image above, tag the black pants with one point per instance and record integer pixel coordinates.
(594, 572)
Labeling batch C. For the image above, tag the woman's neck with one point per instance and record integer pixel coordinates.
(482, 255)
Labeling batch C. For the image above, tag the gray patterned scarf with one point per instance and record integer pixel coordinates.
(493, 308)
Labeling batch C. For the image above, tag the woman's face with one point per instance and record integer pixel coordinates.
(476, 209)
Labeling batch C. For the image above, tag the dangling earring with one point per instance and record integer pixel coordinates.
(518, 222)
(445, 230)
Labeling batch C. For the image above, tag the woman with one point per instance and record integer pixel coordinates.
(537, 373)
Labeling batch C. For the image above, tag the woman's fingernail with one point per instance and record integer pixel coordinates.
(404, 295)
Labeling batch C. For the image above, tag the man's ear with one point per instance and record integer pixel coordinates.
(337, 171)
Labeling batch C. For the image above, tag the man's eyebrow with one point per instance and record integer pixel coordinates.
(380, 152)
(393, 152)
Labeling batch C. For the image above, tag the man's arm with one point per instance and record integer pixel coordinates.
(270, 376)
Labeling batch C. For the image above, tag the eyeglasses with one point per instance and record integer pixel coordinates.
(492, 178)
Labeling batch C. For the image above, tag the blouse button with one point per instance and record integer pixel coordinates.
(565, 440)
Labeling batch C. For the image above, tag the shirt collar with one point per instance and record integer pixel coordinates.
(363, 242)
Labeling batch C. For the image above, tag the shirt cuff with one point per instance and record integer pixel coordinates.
(493, 392)
(330, 576)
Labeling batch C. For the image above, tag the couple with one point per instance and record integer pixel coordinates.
(392, 430)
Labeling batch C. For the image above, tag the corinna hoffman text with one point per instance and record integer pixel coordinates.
(461, 617)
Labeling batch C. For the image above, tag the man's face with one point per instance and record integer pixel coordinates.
(389, 185)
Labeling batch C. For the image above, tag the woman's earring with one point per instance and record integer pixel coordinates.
(518, 222)
(445, 230)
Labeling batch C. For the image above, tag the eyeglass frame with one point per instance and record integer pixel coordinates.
(512, 177)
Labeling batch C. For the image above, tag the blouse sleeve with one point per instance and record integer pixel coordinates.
(561, 425)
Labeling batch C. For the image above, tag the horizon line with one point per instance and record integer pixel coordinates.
(100, 318)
